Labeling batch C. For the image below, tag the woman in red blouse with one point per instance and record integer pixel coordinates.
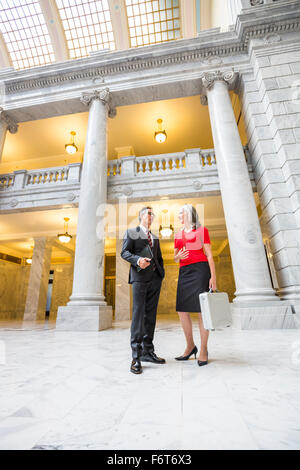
(192, 249)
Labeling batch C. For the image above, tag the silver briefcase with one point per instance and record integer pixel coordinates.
(215, 309)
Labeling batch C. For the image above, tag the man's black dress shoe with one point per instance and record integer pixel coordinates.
(152, 357)
(136, 367)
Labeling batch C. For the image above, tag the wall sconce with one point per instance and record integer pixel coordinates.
(160, 135)
(71, 147)
(65, 237)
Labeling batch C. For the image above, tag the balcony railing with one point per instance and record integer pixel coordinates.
(23, 179)
(172, 163)
(174, 174)
(154, 165)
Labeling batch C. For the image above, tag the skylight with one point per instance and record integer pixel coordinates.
(153, 21)
(87, 26)
(25, 32)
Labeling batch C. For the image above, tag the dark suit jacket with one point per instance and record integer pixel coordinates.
(134, 242)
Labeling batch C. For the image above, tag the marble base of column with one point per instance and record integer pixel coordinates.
(264, 294)
(84, 318)
(290, 293)
(296, 310)
(263, 316)
(82, 300)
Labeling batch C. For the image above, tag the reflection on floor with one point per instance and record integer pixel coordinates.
(74, 391)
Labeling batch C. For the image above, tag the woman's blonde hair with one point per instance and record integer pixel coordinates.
(192, 215)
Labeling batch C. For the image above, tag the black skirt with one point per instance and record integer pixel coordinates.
(193, 279)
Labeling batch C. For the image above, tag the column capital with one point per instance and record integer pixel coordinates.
(12, 125)
(103, 95)
(209, 78)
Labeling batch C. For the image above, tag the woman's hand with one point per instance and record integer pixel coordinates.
(182, 254)
(213, 283)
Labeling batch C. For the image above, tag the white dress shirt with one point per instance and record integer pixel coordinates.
(145, 230)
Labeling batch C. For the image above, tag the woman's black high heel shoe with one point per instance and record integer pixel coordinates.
(203, 363)
(185, 358)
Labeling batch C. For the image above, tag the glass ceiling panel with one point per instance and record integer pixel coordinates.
(153, 21)
(87, 26)
(25, 33)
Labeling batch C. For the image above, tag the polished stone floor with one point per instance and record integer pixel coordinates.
(62, 390)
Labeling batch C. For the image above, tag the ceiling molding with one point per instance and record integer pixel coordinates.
(119, 22)
(188, 19)
(55, 29)
(62, 247)
(207, 48)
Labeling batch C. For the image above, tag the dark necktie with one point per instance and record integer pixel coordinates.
(149, 239)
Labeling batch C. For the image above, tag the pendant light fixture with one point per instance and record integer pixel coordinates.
(160, 135)
(29, 260)
(71, 148)
(166, 232)
(166, 229)
(65, 237)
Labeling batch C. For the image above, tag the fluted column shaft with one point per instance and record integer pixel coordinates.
(249, 261)
(89, 253)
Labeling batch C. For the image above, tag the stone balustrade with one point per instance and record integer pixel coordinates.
(7, 181)
(170, 163)
(22, 179)
(182, 174)
(49, 175)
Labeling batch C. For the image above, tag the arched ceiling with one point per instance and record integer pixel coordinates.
(40, 32)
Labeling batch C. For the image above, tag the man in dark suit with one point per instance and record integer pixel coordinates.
(146, 275)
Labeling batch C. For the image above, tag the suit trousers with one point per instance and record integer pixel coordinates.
(145, 301)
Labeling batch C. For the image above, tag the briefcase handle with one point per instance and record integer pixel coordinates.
(212, 291)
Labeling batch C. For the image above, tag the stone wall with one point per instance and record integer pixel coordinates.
(62, 287)
(167, 299)
(224, 275)
(271, 110)
(13, 290)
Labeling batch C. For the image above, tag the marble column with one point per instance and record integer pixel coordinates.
(6, 124)
(87, 309)
(254, 290)
(35, 306)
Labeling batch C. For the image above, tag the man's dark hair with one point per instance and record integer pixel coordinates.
(143, 210)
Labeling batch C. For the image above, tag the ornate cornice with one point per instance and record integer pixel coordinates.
(199, 50)
(103, 95)
(12, 126)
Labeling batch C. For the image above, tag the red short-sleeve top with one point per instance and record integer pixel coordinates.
(193, 242)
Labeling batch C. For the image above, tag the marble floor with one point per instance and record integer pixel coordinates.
(63, 390)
